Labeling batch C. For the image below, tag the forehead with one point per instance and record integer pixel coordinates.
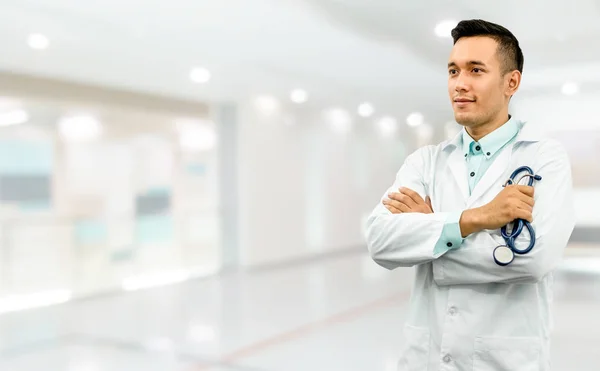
(478, 48)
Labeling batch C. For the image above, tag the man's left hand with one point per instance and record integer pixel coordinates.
(407, 201)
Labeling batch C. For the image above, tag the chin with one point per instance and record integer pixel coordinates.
(466, 118)
(463, 119)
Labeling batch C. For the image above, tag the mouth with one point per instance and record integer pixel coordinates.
(461, 102)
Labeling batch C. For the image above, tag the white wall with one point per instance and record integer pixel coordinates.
(306, 186)
(575, 121)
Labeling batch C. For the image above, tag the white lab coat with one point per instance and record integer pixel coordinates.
(466, 312)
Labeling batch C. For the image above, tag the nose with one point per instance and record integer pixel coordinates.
(461, 84)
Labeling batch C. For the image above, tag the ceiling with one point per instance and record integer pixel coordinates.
(342, 52)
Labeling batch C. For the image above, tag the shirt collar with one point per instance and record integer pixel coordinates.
(492, 142)
(526, 133)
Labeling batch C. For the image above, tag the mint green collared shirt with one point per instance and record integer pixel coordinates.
(479, 155)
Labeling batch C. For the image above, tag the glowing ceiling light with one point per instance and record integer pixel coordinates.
(79, 128)
(196, 136)
(200, 75)
(38, 41)
(266, 104)
(299, 96)
(444, 28)
(14, 117)
(366, 109)
(387, 125)
(339, 119)
(414, 119)
(570, 88)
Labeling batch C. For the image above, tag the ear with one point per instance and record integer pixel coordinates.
(513, 81)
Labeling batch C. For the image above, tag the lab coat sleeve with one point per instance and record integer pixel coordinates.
(408, 239)
(553, 222)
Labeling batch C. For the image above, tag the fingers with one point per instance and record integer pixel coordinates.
(428, 202)
(414, 196)
(523, 193)
(392, 209)
(521, 210)
(527, 190)
(397, 205)
(402, 198)
(526, 207)
(526, 199)
(524, 214)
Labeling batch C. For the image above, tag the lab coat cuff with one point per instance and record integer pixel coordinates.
(451, 236)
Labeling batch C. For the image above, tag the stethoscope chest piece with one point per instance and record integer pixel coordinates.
(503, 255)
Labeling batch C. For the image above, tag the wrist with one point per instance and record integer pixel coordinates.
(470, 222)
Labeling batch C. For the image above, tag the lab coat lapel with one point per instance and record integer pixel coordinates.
(458, 166)
(492, 175)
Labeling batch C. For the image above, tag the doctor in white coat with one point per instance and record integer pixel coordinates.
(443, 215)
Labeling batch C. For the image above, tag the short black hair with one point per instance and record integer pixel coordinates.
(508, 46)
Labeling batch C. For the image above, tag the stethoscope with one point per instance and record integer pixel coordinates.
(505, 254)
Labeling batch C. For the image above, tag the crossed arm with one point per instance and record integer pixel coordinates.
(404, 230)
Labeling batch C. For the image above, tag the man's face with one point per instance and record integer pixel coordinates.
(476, 84)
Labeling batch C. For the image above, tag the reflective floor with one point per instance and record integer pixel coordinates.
(338, 313)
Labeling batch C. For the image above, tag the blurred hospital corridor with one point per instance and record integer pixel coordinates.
(186, 185)
(337, 313)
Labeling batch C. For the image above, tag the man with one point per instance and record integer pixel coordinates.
(444, 212)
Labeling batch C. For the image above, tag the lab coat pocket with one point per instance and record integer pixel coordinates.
(506, 354)
(415, 356)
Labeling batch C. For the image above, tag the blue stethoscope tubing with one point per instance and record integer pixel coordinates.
(504, 254)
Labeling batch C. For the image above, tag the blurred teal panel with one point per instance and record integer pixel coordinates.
(32, 206)
(196, 169)
(154, 228)
(158, 192)
(25, 157)
(90, 232)
(122, 255)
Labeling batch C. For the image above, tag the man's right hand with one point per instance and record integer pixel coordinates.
(513, 202)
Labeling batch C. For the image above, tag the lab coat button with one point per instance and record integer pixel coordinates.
(447, 358)
(472, 173)
(478, 148)
(449, 244)
(452, 310)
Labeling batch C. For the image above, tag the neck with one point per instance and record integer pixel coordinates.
(480, 131)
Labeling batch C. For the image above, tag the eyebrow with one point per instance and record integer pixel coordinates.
(470, 63)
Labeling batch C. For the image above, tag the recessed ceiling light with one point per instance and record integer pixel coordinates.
(365, 109)
(79, 128)
(570, 88)
(339, 119)
(425, 132)
(267, 104)
(14, 117)
(444, 28)
(387, 125)
(415, 119)
(195, 136)
(38, 41)
(298, 96)
(200, 75)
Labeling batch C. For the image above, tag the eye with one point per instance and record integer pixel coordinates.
(452, 71)
(477, 70)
